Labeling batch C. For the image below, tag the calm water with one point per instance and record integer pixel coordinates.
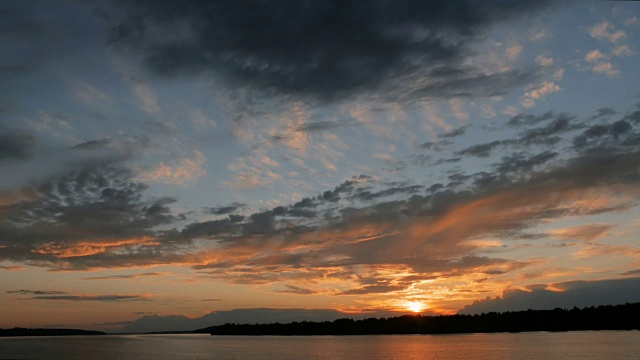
(571, 345)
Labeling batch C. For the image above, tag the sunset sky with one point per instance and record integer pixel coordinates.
(364, 157)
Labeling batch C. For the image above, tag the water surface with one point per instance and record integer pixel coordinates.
(583, 345)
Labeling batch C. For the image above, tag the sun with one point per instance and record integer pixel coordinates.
(415, 306)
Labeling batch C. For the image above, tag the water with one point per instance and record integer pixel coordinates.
(522, 346)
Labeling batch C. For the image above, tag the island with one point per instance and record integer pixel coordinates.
(46, 332)
(608, 317)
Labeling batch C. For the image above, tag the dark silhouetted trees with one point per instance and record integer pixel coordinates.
(609, 317)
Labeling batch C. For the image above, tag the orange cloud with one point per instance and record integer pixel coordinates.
(87, 248)
(584, 233)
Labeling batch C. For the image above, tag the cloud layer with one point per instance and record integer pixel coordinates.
(326, 50)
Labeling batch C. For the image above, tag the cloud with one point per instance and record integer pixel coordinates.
(292, 289)
(90, 95)
(606, 31)
(321, 126)
(595, 55)
(604, 112)
(15, 145)
(246, 180)
(623, 50)
(519, 161)
(93, 144)
(513, 52)
(544, 61)
(326, 50)
(147, 98)
(35, 292)
(546, 134)
(606, 68)
(86, 297)
(226, 209)
(539, 35)
(458, 111)
(361, 236)
(584, 233)
(130, 276)
(540, 91)
(529, 119)
(62, 295)
(179, 172)
(481, 150)
(454, 133)
(375, 289)
(632, 21)
(12, 267)
(81, 215)
(563, 295)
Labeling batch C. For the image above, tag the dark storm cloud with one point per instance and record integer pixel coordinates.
(564, 295)
(327, 49)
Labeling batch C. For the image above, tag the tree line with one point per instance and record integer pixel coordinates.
(606, 317)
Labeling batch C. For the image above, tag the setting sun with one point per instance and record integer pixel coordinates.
(415, 306)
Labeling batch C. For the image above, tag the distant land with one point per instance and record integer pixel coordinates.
(46, 332)
(607, 317)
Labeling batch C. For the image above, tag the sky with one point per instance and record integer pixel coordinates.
(171, 164)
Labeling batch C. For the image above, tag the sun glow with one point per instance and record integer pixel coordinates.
(415, 306)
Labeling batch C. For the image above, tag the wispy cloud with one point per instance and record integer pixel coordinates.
(585, 233)
(62, 295)
(129, 276)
